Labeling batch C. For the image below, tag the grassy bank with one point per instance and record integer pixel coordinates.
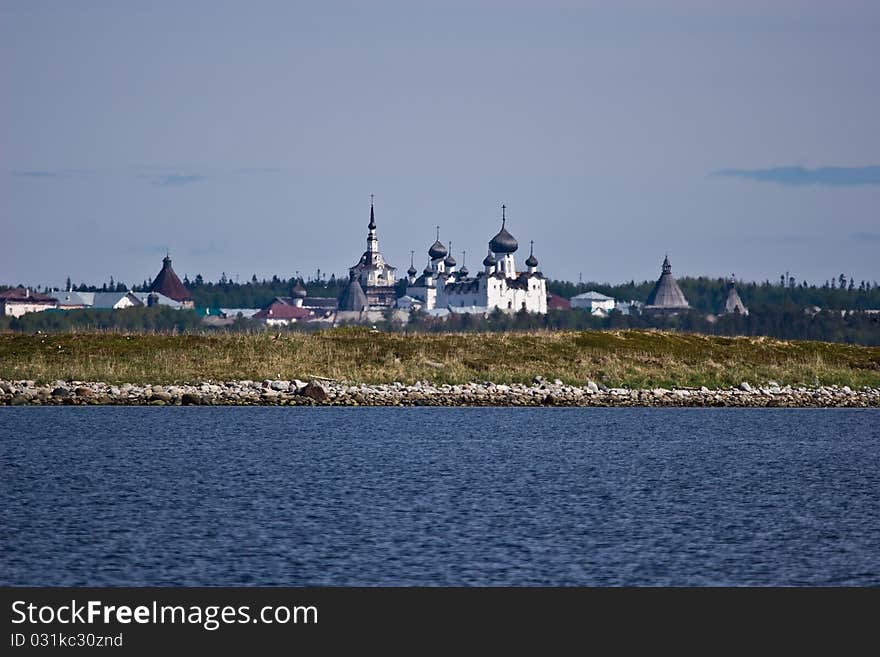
(616, 358)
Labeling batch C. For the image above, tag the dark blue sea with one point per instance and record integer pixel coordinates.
(439, 496)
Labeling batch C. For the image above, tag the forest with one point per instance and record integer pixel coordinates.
(784, 309)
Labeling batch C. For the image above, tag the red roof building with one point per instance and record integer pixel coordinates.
(556, 302)
(20, 300)
(282, 312)
(167, 283)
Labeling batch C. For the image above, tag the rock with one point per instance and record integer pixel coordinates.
(745, 387)
(557, 382)
(61, 392)
(82, 391)
(296, 385)
(19, 400)
(538, 379)
(5, 387)
(704, 390)
(280, 386)
(190, 399)
(592, 387)
(161, 395)
(603, 387)
(316, 391)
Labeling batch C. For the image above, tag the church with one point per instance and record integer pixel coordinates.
(372, 279)
(499, 285)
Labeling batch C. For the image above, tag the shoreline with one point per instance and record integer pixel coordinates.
(335, 393)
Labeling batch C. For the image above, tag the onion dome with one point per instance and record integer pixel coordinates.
(463, 271)
(298, 291)
(489, 260)
(532, 261)
(412, 268)
(503, 242)
(437, 250)
(428, 271)
(450, 261)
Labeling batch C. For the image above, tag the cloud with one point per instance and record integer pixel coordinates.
(865, 237)
(40, 174)
(253, 170)
(800, 176)
(173, 179)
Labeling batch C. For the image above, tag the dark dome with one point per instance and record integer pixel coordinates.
(437, 250)
(489, 260)
(450, 261)
(503, 242)
(428, 271)
(299, 291)
(411, 271)
(531, 261)
(463, 271)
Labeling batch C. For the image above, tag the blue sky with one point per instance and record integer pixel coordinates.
(248, 137)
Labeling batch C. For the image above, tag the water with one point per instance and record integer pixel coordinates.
(357, 496)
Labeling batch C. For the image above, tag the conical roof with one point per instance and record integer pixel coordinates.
(732, 303)
(353, 297)
(167, 283)
(666, 293)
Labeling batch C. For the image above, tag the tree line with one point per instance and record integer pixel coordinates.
(705, 294)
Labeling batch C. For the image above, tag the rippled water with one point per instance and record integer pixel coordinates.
(368, 496)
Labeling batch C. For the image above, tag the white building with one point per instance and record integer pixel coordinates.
(499, 285)
(593, 302)
(21, 300)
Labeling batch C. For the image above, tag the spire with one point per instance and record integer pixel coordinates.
(372, 225)
(503, 214)
(667, 268)
(464, 270)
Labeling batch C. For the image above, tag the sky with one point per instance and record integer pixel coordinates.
(247, 137)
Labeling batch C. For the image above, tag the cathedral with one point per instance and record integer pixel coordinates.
(499, 285)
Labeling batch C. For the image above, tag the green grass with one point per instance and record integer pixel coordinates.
(617, 358)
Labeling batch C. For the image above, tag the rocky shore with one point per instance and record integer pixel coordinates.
(334, 393)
